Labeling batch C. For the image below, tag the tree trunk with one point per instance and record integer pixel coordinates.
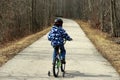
(115, 24)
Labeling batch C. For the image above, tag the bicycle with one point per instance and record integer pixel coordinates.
(57, 64)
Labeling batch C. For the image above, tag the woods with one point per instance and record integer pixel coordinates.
(102, 14)
(19, 18)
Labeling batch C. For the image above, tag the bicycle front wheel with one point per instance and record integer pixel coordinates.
(56, 65)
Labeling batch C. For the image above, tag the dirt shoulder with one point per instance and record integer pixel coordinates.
(11, 49)
(108, 48)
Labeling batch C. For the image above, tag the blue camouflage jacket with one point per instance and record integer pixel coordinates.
(57, 35)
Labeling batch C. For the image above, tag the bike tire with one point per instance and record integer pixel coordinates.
(56, 67)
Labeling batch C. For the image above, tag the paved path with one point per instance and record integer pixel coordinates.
(83, 61)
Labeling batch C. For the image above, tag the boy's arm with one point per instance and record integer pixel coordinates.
(51, 35)
(66, 36)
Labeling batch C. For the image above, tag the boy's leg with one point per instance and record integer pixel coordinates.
(56, 49)
(63, 53)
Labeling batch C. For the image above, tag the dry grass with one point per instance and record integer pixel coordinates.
(109, 49)
(9, 50)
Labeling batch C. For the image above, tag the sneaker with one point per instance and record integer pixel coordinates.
(63, 61)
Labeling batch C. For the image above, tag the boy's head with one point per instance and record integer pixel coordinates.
(58, 22)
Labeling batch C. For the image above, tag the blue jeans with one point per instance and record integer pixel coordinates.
(62, 50)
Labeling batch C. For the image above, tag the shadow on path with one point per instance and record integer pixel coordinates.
(72, 74)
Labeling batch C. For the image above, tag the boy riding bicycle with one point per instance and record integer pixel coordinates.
(57, 36)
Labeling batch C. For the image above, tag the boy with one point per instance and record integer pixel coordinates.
(57, 36)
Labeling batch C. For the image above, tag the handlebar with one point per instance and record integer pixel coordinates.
(66, 40)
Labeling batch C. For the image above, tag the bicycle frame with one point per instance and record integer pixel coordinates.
(59, 61)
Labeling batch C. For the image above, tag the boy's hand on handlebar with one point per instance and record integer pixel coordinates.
(70, 39)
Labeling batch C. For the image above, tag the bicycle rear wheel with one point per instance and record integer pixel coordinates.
(56, 67)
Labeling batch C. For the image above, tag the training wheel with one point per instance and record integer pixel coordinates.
(48, 73)
(63, 74)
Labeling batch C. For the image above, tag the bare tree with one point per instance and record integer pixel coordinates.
(19, 18)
